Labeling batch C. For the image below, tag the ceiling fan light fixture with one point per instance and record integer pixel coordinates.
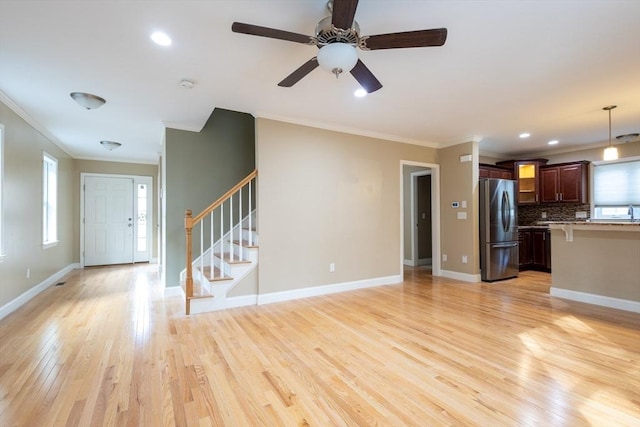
(611, 152)
(337, 58)
(87, 100)
(110, 145)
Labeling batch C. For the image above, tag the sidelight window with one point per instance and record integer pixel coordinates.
(49, 200)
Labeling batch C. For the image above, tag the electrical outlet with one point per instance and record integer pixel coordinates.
(464, 259)
(332, 267)
(28, 273)
(543, 215)
(444, 257)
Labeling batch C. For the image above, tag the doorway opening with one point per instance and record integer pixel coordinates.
(421, 215)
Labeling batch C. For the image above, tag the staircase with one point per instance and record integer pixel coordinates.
(221, 248)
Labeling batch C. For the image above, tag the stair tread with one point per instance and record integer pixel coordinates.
(236, 259)
(216, 274)
(198, 291)
(245, 244)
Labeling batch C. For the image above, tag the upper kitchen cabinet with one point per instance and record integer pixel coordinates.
(491, 171)
(527, 173)
(564, 183)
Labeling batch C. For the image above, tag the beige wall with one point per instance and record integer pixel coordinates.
(597, 262)
(328, 197)
(459, 181)
(22, 192)
(115, 168)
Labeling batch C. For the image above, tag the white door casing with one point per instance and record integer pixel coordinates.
(108, 220)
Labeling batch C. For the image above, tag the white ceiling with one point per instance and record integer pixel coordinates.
(539, 66)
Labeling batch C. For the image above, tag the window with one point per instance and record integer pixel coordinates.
(49, 200)
(1, 186)
(616, 188)
(141, 245)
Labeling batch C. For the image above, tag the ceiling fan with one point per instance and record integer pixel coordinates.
(337, 37)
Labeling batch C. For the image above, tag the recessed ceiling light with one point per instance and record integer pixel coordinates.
(161, 38)
(360, 93)
(525, 135)
(553, 142)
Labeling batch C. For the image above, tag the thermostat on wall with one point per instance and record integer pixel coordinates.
(455, 204)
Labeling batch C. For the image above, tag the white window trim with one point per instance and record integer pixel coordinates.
(2, 254)
(50, 243)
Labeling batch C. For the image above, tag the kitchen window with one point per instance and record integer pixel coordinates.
(616, 189)
(49, 200)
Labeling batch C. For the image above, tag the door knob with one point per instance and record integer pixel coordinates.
(130, 225)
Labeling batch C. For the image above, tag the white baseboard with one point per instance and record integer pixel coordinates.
(620, 304)
(327, 289)
(409, 262)
(473, 278)
(241, 301)
(25, 297)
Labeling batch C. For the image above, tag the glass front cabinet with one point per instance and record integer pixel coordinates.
(527, 173)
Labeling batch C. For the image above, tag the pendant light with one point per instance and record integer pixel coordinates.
(611, 152)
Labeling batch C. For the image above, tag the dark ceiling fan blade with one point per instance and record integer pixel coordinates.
(420, 38)
(256, 30)
(298, 74)
(343, 13)
(365, 77)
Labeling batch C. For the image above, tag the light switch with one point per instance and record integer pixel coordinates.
(464, 204)
(424, 215)
(462, 215)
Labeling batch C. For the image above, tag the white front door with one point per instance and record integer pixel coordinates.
(108, 221)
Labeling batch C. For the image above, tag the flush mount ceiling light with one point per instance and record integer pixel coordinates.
(611, 152)
(524, 135)
(161, 38)
(87, 100)
(110, 145)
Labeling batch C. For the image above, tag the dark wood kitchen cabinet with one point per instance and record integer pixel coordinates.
(491, 171)
(535, 249)
(565, 183)
(524, 249)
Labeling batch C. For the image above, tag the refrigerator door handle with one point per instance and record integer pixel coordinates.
(504, 245)
(506, 211)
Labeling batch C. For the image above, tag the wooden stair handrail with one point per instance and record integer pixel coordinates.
(225, 196)
(190, 221)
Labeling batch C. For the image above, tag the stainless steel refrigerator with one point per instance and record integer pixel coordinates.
(498, 229)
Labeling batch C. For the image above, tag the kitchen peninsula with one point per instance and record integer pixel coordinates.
(597, 263)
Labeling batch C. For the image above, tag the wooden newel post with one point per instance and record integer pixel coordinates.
(188, 226)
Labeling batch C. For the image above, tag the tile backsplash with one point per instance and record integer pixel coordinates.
(531, 214)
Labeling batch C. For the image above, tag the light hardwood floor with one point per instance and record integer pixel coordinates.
(108, 349)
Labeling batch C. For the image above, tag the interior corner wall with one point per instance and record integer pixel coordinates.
(459, 183)
(200, 167)
(22, 210)
(328, 197)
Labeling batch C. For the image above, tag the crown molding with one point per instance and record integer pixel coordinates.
(34, 123)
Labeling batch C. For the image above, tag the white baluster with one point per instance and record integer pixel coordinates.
(250, 232)
(201, 248)
(211, 271)
(221, 238)
(240, 256)
(231, 227)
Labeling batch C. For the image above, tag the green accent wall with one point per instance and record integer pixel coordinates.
(200, 167)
